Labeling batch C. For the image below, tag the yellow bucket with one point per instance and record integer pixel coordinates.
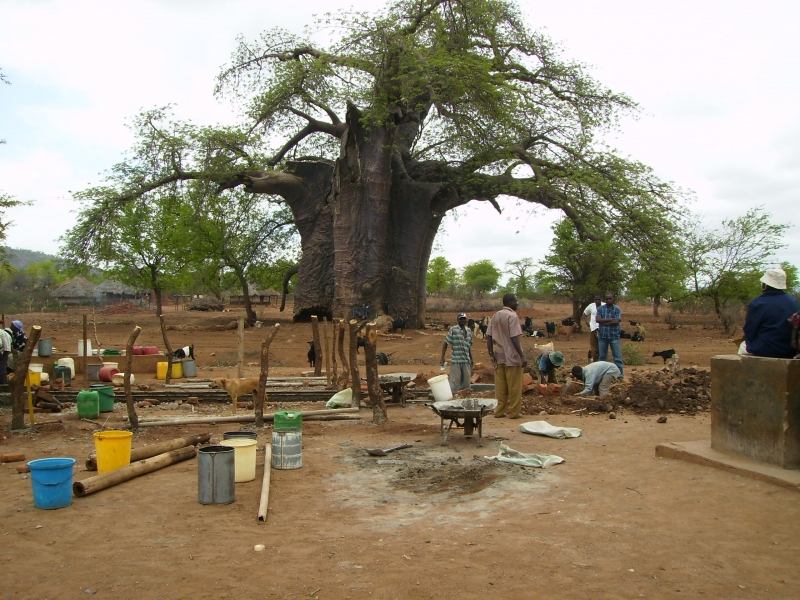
(113, 449)
(161, 370)
(35, 377)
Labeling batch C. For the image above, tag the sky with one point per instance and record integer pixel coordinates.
(716, 83)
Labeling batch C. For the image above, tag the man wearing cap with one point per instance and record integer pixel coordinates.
(459, 337)
(597, 377)
(548, 363)
(503, 342)
(767, 329)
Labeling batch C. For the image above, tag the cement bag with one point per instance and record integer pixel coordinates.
(343, 399)
(548, 347)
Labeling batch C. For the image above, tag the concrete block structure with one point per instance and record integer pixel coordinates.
(755, 408)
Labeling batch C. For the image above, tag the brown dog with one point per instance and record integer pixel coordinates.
(237, 387)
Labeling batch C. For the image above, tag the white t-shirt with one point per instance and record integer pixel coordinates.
(591, 312)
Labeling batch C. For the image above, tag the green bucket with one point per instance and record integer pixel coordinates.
(286, 420)
(88, 402)
(106, 393)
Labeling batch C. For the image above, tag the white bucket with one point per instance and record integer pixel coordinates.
(118, 379)
(113, 365)
(68, 362)
(36, 367)
(440, 388)
(88, 348)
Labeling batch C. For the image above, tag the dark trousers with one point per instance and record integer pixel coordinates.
(3, 367)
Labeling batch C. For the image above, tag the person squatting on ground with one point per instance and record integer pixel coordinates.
(609, 317)
(18, 342)
(590, 315)
(503, 342)
(459, 338)
(548, 363)
(597, 377)
(5, 352)
(767, 328)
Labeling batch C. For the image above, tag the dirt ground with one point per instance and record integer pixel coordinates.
(431, 521)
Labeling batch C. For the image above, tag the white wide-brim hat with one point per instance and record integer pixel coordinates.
(774, 278)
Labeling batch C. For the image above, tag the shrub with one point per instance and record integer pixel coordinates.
(631, 355)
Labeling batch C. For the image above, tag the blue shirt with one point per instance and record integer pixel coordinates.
(767, 330)
(608, 311)
(593, 374)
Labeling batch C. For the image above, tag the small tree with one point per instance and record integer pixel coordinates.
(521, 281)
(481, 277)
(441, 276)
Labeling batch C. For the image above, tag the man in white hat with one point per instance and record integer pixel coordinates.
(767, 331)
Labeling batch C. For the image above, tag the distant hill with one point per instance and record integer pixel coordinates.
(20, 258)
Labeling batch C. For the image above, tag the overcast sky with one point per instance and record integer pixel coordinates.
(717, 82)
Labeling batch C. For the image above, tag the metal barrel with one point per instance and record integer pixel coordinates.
(215, 475)
(287, 449)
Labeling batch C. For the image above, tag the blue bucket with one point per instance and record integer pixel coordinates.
(51, 479)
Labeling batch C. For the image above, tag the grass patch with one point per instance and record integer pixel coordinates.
(631, 355)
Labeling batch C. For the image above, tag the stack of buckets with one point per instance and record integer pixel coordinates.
(220, 467)
(287, 440)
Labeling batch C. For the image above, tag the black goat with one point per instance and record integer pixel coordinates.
(528, 326)
(569, 322)
(382, 358)
(361, 342)
(483, 326)
(624, 334)
(185, 352)
(550, 328)
(312, 355)
(398, 324)
(665, 354)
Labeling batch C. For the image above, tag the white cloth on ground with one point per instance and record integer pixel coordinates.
(553, 431)
(509, 455)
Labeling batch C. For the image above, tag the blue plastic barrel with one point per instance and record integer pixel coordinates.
(51, 479)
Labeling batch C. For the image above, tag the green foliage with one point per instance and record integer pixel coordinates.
(632, 355)
(580, 269)
(521, 281)
(481, 277)
(441, 276)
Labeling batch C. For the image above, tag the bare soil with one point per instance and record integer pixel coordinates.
(430, 521)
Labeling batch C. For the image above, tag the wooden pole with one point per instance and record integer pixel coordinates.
(373, 385)
(94, 327)
(85, 352)
(325, 328)
(317, 346)
(156, 449)
(262, 506)
(344, 378)
(243, 419)
(307, 414)
(100, 482)
(261, 396)
(334, 378)
(168, 346)
(240, 343)
(23, 359)
(355, 379)
(132, 416)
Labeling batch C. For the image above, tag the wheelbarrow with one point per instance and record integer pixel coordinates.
(466, 413)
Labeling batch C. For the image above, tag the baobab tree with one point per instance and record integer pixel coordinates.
(371, 139)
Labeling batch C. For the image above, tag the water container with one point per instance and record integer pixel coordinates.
(93, 371)
(62, 372)
(51, 480)
(137, 351)
(287, 449)
(113, 365)
(106, 393)
(88, 403)
(88, 348)
(215, 475)
(286, 420)
(68, 362)
(161, 370)
(35, 378)
(45, 347)
(440, 388)
(189, 368)
(118, 379)
(106, 373)
(113, 449)
(150, 350)
(245, 458)
(36, 367)
(248, 435)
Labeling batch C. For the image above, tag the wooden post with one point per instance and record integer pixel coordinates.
(325, 328)
(333, 380)
(100, 482)
(168, 346)
(262, 506)
(355, 379)
(240, 342)
(373, 385)
(94, 327)
(317, 346)
(261, 394)
(344, 377)
(84, 353)
(23, 359)
(133, 418)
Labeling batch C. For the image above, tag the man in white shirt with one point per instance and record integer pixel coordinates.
(5, 352)
(590, 316)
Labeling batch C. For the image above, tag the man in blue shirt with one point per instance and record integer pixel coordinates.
(597, 377)
(767, 329)
(608, 318)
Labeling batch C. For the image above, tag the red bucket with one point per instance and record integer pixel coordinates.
(107, 373)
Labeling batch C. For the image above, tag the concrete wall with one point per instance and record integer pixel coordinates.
(755, 408)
